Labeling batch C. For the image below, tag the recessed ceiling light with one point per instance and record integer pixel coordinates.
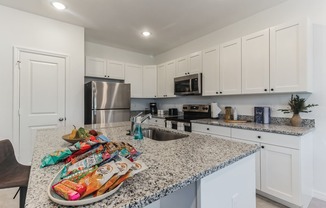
(146, 33)
(58, 5)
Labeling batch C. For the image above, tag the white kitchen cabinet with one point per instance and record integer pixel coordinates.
(211, 71)
(230, 67)
(223, 132)
(150, 81)
(134, 76)
(165, 79)
(161, 91)
(195, 63)
(102, 68)
(157, 122)
(169, 78)
(280, 172)
(115, 70)
(285, 166)
(182, 65)
(95, 67)
(191, 64)
(290, 57)
(255, 63)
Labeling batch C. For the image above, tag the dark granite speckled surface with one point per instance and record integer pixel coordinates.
(172, 165)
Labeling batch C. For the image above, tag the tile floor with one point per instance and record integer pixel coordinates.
(6, 201)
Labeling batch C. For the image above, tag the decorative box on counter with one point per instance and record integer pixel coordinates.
(262, 115)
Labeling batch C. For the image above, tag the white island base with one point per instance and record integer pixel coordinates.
(230, 187)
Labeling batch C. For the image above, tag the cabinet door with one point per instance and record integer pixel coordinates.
(149, 81)
(230, 67)
(280, 172)
(161, 91)
(134, 76)
(95, 67)
(211, 71)
(182, 66)
(115, 70)
(169, 78)
(195, 63)
(290, 58)
(255, 63)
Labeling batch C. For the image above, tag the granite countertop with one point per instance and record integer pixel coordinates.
(172, 165)
(272, 128)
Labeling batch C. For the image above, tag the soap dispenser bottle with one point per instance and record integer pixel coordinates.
(235, 114)
(138, 132)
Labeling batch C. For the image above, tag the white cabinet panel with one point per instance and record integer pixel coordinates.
(169, 78)
(211, 71)
(210, 129)
(157, 122)
(182, 66)
(290, 57)
(255, 63)
(149, 81)
(195, 63)
(95, 67)
(280, 172)
(115, 70)
(230, 67)
(161, 91)
(134, 76)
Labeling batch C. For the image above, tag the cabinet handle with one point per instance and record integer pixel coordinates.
(220, 92)
(207, 129)
(104, 75)
(217, 93)
(259, 137)
(108, 76)
(185, 73)
(265, 90)
(262, 147)
(272, 89)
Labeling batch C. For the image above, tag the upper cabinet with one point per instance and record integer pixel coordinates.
(290, 58)
(115, 70)
(102, 68)
(149, 81)
(255, 63)
(165, 79)
(190, 64)
(95, 67)
(211, 71)
(134, 76)
(230, 67)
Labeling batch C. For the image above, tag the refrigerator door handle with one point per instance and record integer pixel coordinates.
(94, 116)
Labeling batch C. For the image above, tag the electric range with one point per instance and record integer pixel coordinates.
(190, 112)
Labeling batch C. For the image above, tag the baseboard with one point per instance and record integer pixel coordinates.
(319, 195)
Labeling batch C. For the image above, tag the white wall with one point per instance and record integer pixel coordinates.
(31, 31)
(107, 52)
(288, 11)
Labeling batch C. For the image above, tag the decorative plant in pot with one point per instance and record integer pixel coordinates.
(297, 105)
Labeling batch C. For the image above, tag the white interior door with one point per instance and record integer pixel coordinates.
(41, 96)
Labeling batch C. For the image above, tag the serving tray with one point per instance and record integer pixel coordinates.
(87, 200)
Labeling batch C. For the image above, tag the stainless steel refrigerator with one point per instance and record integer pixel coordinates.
(106, 102)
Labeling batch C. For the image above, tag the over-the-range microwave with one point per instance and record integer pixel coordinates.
(188, 85)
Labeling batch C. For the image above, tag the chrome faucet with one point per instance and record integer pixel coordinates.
(133, 121)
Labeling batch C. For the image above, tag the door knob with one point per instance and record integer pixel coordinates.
(60, 119)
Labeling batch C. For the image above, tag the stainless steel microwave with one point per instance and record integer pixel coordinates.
(188, 85)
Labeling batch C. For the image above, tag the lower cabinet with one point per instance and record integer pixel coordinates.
(283, 165)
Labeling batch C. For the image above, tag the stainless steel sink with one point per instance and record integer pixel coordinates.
(162, 135)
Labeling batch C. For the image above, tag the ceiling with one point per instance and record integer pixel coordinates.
(119, 23)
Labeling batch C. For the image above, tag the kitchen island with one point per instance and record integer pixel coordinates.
(189, 172)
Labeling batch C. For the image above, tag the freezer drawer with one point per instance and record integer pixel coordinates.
(110, 116)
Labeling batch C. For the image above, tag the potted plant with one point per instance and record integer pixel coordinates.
(297, 105)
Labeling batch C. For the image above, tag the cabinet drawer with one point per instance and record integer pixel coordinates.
(157, 121)
(210, 129)
(268, 138)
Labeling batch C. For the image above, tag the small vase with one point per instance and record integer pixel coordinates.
(296, 120)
